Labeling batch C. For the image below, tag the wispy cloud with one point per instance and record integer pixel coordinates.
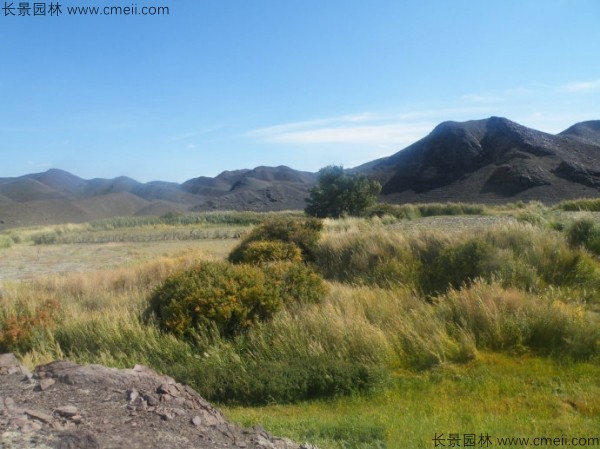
(374, 131)
(384, 130)
(583, 86)
(384, 134)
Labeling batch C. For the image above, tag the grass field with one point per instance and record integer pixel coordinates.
(397, 353)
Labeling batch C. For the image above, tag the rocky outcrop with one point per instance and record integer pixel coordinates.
(492, 160)
(67, 406)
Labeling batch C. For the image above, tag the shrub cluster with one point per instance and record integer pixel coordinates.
(585, 232)
(411, 211)
(230, 298)
(276, 237)
(588, 204)
(23, 323)
(520, 256)
(6, 241)
(508, 319)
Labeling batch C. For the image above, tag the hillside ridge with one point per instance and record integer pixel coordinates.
(488, 160)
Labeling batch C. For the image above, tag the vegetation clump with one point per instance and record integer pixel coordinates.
(412, 211)
(339, 193)
(585, 232)
(230, 298)
(582, 204)
(520, 255)
(24, 322)
(287, 232)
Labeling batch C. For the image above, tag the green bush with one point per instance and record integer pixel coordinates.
(262, 252)
(46, 238)
(411, 211)
(339, 193)
(521, 255)
(509, 319)
(458, 264)
(434, 209)
(585, 232)
(304, 233)
(589, 204)
(297, 283)
(230, 298)
(6, 241)
(227, 297)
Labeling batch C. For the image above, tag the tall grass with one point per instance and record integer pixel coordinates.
(153, 234)
(353, 342)
(518, 255)
(202, 225)
(6, 241)
(418, 210)
(398, 301)
(224, 218)
(587, 204)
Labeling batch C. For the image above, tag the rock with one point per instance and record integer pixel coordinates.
(151, 400)
(132, 395)
(168, 389)
(10, 365)
(43, 417)
(178, 411)
(197, 421)
(44, 384)
(67, 411)
(134, 409)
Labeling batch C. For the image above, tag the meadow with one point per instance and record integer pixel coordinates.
(447, 319)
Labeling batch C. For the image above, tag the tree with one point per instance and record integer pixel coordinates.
(339, 193)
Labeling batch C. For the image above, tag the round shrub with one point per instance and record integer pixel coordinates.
(297, 283)
(303, 233)
(230, 298)
(262, 252)
(458, 264)
(585, 232)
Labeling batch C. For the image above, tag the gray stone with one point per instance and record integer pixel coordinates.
(197, 421)
(40, 416)
(67, 411)
(45, 383)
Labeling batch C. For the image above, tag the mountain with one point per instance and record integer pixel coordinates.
(492, 160)
(56, 196)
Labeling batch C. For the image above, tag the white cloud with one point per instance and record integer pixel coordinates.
(388, 134)
(366, 129)
(584, 86)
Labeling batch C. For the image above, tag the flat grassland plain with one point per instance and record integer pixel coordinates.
(443, 326)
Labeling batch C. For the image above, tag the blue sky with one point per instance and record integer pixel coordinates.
(227, 84)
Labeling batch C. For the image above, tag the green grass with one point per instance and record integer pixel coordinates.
(204, 225)
(582, 204)
(506, 343)
(6, 241)
(501, 395)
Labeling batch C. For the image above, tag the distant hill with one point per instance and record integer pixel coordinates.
(492, 160)
(57, 196)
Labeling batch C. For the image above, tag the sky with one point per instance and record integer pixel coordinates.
(220, 85)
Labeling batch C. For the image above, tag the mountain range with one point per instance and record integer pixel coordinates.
(492, 160)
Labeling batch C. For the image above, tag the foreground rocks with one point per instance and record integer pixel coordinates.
(62, 405)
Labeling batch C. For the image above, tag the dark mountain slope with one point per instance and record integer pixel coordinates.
(587, 131)
(492, 159)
